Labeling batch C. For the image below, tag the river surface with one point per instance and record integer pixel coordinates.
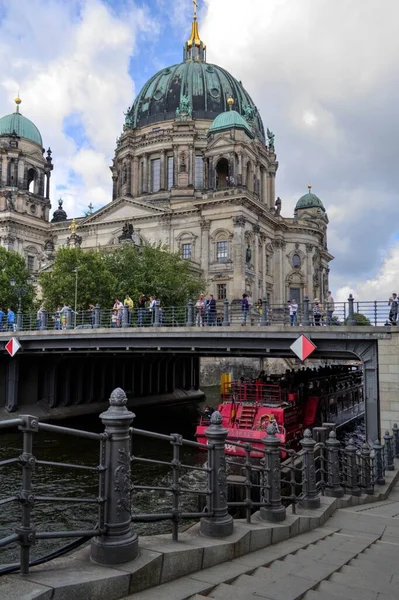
(66, 482)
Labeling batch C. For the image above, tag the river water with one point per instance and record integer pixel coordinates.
(60, 481)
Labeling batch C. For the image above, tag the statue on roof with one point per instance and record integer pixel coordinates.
(248, 113)
(129, 118)
(270, 137)
(127, 232)
(184, 109)
(277, 204)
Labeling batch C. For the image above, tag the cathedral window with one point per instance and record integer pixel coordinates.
(30, 263)
(186, 251)
(221, 251)
(32, 176)
(222, 174)
(221, 290)
(296, 261)
(199, 173)
(171, 170)
(156, 175)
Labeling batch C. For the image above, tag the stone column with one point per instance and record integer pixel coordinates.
(256, 230)
(129, 176)
(272, 189)
(279, 271)
(239, 175)
(145, 173)
(308, 291)
(4, 170)
(212, 179)
(205, 227)
(263, 250)
(175, 164)
(238, 252)
(48, 175)
(114, 186)
(162, 175)
(135, 177)
(191, 166)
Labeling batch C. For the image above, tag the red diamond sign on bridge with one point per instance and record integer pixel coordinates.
(12, 346)
(303, 347)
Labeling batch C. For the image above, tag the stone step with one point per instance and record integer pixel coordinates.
(312, 595)
(286, 587)
(354, 577)
(377, 563)
(198, 597)
(228, 592)
(343, 592)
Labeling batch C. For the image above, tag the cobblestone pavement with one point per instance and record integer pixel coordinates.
(354, 556)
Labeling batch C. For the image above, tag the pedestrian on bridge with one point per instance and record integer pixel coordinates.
(244, 309)
(393, 312)
(330, 307)
(10, 320)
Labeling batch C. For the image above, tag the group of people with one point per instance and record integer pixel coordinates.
(205, 310)
(145, 310)
(7, 319)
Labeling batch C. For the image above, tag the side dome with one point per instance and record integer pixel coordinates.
(230, 120)
(17, 124)
(309, 200)
(203, 86)
(59, 214)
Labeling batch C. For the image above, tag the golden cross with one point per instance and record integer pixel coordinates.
(195, 2)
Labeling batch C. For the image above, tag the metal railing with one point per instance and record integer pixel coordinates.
(281, 478)
(367, 313)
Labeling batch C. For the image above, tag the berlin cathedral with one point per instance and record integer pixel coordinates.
(194, 170)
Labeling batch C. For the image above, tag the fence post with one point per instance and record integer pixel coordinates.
(69, 318)
(379, 471)
(351, 318)
(272, 509)
(96, 324)
(263, 319)
(334, 487)
(311, 496)
(119, 544)
(366, 481)
(43, 320)
(156, 322)
(389, 455)
(190, 314)
(226, 316)
(125, 316)
(352, 469)
(306, 320)
(219, 523)
(395, 430)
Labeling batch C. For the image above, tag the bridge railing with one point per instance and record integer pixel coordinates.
(281, 478)
(261, 314)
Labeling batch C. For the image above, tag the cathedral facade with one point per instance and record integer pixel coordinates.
(194, 170)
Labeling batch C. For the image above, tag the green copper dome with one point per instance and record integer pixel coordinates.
(309, 200)
(21, 126)
(229, 120)
(196, 88)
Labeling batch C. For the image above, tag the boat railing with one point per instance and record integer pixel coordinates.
(252, 392)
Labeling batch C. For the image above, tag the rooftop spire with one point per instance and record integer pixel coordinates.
(194, 48)
(17, 101)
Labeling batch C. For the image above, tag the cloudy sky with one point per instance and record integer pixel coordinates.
(323, 74)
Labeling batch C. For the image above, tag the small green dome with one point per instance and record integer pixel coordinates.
(229, 120)
(309, 200)
(21, 126)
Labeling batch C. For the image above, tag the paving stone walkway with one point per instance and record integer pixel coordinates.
(355, 556)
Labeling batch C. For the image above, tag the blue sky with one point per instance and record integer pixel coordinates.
(323, 74)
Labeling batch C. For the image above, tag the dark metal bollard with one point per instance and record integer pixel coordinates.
(219, 523)
(43, 320)
(190, 314)
(97, 317)
(263, 318)
(379, 471)
(226, 316)
(272, 509)
(156, 322)
(120, 542)
(306, 320)
(310, 493)
(366, 480)
(26, 533)
(125, 316)
(351, 319)
(334, 487)
(352, 469)
(395, 431)
(389, 454)
(69, 318)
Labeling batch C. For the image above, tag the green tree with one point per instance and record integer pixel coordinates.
(95, 282)
(13, 268)
(154, 271)
(360, 319)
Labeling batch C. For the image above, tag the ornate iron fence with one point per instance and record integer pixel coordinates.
(282, 478)
(370, 313)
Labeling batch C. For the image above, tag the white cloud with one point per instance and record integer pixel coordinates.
(71, 58)
(324, 77)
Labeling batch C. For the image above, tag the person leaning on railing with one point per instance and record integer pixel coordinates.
(330, 307)
(393, 312)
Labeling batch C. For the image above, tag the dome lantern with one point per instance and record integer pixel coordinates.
(194, 48)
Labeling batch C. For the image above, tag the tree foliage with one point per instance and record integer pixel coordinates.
(13, 267)
(104, 276)
(360, 319)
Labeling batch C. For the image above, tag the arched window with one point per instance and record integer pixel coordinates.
(32, 177)
(296, 261)
(222, 174)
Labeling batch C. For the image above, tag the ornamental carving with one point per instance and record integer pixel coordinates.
(222, 482)
(256, 229)
(309, 247)
(205, 225)
(239, 221)
(269, 249)
(280, 244)
(122, 482)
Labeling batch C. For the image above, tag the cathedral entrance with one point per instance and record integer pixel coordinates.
(222, 174)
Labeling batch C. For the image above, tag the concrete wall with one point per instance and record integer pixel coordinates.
(388, 368)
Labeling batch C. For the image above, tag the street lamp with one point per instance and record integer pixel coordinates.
(20, 290)
(75, 270)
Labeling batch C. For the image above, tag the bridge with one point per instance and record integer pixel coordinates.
(306, 519)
